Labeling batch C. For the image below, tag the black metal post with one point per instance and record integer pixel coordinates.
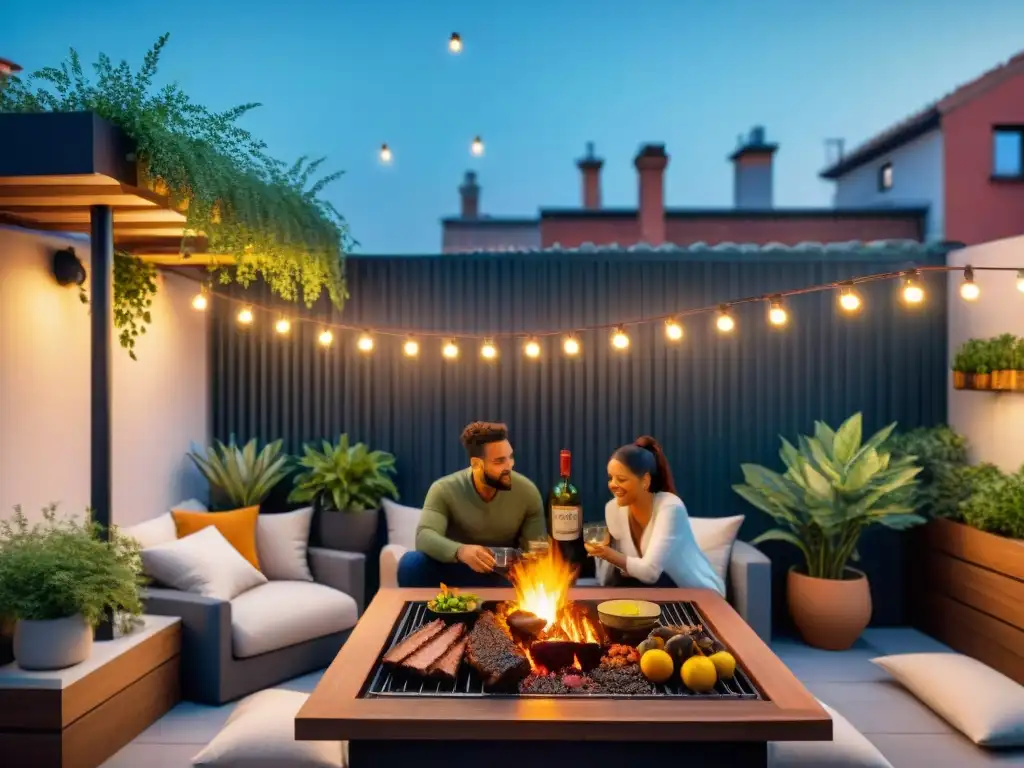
(101, 284)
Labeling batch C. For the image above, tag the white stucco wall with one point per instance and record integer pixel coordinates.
(993, 422)
(160, 403)
(917, 172)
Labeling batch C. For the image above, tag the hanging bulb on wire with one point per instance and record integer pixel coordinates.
(411, 348)
(531, 348)
(199, 302)
(571, 346)
(455, 43)
(385, 154)
(488, 351)
(477, 147)
(245, 316)
(619, 339)
(969, 290)
(283, 325)
(450, 350)
(848, 299)
(725, 322)
(673, 330)
(913, 293)
(1020, 280)
(326, 338)
(777, 314)
(365, 343)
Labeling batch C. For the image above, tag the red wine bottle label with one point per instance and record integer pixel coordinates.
(565, 523)
(565, 464)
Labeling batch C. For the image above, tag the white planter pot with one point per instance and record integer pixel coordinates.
(52, 643)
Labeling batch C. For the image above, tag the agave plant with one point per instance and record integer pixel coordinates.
(243, 477)
(345, 477)
(833, 488)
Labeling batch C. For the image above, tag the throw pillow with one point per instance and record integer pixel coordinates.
(238, 526)
(984, 705)
(282, 542)
(160, 530)
(260, 733)
(715, 537)
(402, 523)
(204, 563)
(849, 748)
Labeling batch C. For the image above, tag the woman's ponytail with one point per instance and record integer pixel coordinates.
(661, 479)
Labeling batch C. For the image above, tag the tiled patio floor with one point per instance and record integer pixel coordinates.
(907, 732)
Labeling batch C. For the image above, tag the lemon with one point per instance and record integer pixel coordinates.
(657, 665)
(699, 674)
(724, 663)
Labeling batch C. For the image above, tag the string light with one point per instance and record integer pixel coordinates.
(673, 330)
(848, 299)
(450, 350)
(477, 147)
(488, 351)
(725, 322)
(199, 302)
(1020, 280)
(325, 338)
(385, 154)
(913, 293)
(620, 340)
(531, 348)
(777, 315)
(282, 326)
(455, 43)
(571, 346)
(969, 290)
(245, 316)
(365, 343)
(411, 347)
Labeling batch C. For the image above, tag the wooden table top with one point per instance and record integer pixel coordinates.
(335, 712)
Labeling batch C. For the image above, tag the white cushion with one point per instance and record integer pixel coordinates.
(282, 541)
(204, 563)
(402, 523)
(161, 530)
(983, 704)
(715, 537)
(849, 748)
(282, 613)
(260, 733)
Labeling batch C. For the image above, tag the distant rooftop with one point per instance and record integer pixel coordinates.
(854, 247)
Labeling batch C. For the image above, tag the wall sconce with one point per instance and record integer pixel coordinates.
(69, 270)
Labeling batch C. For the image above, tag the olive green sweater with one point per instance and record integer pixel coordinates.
(454, 514)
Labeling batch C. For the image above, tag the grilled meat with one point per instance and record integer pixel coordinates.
(421, 661)
(414, 642)
(494, 655)
(447, 666)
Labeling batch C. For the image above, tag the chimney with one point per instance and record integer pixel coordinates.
(650, 165)
(7, 68)
(590, 170)
(470, 194)
(752, 171)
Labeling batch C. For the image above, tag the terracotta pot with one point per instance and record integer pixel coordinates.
(829, 613)
(959, 380)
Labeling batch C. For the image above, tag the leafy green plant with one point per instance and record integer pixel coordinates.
(134, 288)
(65, 567)
(995, 502)
(942, 454)
(835, 485)
(973, 356)
(241, 477)
(267, 215)
(345, 477)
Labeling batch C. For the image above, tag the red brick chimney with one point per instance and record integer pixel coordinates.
(650, 163)
(590, 171)
(470, 194)
(7, 68)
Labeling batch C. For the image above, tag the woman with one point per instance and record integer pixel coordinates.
(652, 544)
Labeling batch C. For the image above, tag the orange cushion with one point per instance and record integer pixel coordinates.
(238, 526)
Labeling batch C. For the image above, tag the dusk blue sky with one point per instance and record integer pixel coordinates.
(538, 80)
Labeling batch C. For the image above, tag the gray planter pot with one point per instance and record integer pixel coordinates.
(348, 531)
(53, 643)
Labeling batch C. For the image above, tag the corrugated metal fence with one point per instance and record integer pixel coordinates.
(712, 401)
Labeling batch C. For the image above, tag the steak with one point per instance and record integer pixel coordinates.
(447, 666)
(495, 655)
(413, 642)
(433, 650)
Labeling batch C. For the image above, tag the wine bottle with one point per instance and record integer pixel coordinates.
(565, 513)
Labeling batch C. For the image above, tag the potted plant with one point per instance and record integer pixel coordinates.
(240, 477)
(961, 366)
(345, 483)
(58, 578)
(835, 485)
(943, 483)
(1003, 361)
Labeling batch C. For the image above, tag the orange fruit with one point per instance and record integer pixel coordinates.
(657, 666)
(699, 674)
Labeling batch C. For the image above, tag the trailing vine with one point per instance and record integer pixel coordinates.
(268, 216)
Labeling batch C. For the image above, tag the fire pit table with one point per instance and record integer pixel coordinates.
(455, 718)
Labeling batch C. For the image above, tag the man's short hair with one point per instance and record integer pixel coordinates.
(478, 434)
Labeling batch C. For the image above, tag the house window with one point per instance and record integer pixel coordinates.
(1008, 152)
(885, 178)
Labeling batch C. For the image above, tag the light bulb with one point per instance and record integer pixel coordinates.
(488, 351)
(365, 343)
(411, 348)
(455, 43)
(777, 315)
(969, 289)
(1020, 280)
(325, 338)
(199, 301)
(673, 330)
(245, 315)
(571, 345)
(619, 339)
(849, 300)
(450, 350)
(532, 348)
(283, 325)
(385, 153)
(725, 322)
(913, 293)
(477, 147)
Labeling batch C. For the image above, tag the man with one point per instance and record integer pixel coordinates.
(469, 511)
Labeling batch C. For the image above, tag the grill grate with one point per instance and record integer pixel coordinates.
(383, 682)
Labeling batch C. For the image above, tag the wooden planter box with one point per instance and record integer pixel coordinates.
(997, 381)
(968, 592)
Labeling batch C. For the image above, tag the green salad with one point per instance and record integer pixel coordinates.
(448, 601)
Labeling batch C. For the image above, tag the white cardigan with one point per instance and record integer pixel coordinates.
(667, 546)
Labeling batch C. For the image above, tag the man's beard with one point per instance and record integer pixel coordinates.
(502, 482)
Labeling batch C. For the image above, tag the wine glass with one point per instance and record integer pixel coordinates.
(596, 533)
(537, 547)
